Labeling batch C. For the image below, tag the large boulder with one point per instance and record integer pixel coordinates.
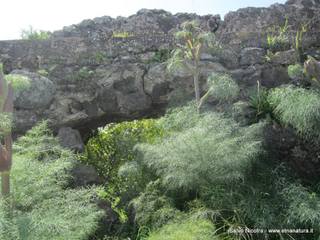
(285, 57)
(84, 175)
(252, 56)
(38, 95)
(71, 139)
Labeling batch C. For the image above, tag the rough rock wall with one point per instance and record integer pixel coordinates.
(96, 76)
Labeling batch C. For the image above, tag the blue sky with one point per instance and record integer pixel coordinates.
(53, 15)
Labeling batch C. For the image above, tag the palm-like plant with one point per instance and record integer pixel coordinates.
(192, 40)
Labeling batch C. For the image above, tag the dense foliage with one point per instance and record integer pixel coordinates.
(214, 150)
(112, 148)
(187, 230)
(295, 71)
(41, 206)
(194, 173)
(297, 107)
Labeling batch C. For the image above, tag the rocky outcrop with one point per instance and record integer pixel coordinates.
(107, 69)
(71, 139)
(38, 95)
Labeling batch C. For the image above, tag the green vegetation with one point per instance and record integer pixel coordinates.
(112, 148)
(32, 34)
(258, 100)
(160, 56)
(277, 38)
(187, 175)
(295, 71)
(200, 175)
(84, 73)
(187, 230)
(221, 87)
(299, 42)
(187, 56)
(18, 82)
(297, 107)
(122, 34)
(41, 206)
(214, 150)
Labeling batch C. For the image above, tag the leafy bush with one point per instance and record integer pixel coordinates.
(160, 56)
(215, 150)
(295, 71)
(297, 107)
(180, 118)
(41, 207)
(152, 208)
(223, 87)
(112, 153)
(186, 230)
(113, 145)
(32, 34)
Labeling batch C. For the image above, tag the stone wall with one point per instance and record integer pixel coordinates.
(95, 76)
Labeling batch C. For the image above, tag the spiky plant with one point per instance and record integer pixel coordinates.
(192, 41)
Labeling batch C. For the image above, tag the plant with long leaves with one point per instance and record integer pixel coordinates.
(192, 41)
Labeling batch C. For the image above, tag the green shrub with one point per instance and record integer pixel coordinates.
(215, 150)
(113, 145)
(295, 71)
(297, 107)
(161, 55)
(112, 153)
(223, 87)
(41, 207)
(152, 208)
(303, 207)
(180, 118)
(32, 34)
(187, 230)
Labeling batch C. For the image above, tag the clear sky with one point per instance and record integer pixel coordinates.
(54, 14)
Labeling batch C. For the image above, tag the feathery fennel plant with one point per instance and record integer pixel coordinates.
(215, 150)
(297, 107)
(41, 205)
